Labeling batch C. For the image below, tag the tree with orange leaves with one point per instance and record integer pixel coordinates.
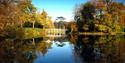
(108, 14)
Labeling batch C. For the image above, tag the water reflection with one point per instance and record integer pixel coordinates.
(14, 51)
(85, 48)
(100, 49)
(70, 49)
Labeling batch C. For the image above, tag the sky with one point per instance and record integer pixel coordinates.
(56, 8)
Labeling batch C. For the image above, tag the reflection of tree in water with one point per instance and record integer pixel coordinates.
(16, 51)
(85, 48)
(72, 38)
(100, 49)
(20, 51)
(43, 47)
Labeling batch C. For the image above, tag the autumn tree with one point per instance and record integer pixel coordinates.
(27, 12)
(8, 17)
(14, 13)
(106, 16)
(50, 23)
(45, 20)
(85, 17)
(71, 27)
(110, 13)
(8, 12)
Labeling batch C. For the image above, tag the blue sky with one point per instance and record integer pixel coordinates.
(56, 8)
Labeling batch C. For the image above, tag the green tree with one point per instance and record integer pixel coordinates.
(60, 18)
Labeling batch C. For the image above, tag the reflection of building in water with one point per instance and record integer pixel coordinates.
(60, 44)
(60, 41)
(111, 51)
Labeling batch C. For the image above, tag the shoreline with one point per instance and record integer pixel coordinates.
(101, 33)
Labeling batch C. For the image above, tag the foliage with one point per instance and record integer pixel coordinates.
(60, 18)
(19, 14)
(44, 20)
(100, 15)
(14, 16)
(59, 22)
(85, 16)
(72, 27)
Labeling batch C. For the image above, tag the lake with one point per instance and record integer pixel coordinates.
(64, 49)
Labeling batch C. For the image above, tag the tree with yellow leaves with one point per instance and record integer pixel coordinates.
(27, 12)
(45, 20)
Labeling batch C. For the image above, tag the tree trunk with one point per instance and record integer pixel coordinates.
(21, 25)
(33, 41)
(33, 24)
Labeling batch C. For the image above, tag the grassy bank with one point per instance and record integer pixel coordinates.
(101, 33)
(33, 33)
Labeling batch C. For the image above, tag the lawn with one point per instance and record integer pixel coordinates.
(33, 33)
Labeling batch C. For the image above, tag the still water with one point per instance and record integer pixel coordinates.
(68, 49)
